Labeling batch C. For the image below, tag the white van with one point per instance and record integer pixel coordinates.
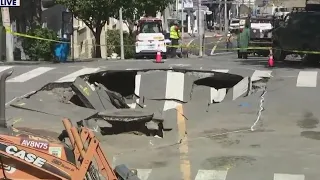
(150, 38)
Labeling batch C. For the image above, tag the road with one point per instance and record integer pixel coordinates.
(212, 46)
(212, 142)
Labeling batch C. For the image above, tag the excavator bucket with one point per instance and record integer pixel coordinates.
(25, 156)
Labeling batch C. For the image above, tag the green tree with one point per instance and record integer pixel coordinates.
(94, 13)
(133, 10)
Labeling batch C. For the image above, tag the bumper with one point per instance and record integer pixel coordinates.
(262, 44)
(149, 53)
(146, 48)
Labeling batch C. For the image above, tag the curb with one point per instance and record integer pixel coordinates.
(46, 62)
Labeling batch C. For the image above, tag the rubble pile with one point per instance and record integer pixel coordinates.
(105, 111)
(112, 102)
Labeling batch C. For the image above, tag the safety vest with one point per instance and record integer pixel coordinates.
(174, 34)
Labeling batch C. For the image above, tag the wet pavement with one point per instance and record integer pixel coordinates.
(216, 131)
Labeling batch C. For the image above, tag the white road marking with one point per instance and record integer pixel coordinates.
(307, 79)
(217, 95)
(221, 70)
(241, 88)
(258, 74)
(71, 77)
(3, 68)
(288, 177)
(222, 53)
(174, 89)
(136, 90)
(144, 174)
(189, 43)
(215, 46)
(211, 175)
(30, 74)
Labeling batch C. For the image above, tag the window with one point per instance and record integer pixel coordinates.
(151, 27)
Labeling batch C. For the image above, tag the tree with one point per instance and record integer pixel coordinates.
(94, 13)
(133, 10)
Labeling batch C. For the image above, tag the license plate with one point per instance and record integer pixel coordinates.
(151, 46)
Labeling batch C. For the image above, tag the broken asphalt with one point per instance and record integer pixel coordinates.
(110, 103)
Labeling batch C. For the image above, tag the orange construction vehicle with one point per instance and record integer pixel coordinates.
(25, 156)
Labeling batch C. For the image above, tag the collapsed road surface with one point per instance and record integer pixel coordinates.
(182, 123)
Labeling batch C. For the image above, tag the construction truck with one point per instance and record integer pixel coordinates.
(75, 154)
(298, 33)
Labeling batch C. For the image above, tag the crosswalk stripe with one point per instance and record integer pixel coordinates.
(136, 90)
(174, 89)
(3, 68)
(30, 74)
(258, 74)
(211, 175)
(307, 79)
(71, 77)
(218, 95)
(144, 174)
(221, 70)
(278, 176)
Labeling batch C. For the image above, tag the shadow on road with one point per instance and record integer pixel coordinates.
(284, 64)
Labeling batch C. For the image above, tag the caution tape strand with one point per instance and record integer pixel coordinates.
(188, 47)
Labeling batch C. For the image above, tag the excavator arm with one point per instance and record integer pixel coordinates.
(27, 157)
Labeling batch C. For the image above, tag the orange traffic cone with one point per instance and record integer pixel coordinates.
(159, 57)
(270, 61)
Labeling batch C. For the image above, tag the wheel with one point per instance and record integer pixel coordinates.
(245, 55)
(239, 54)
(278, 54)
(137, 56)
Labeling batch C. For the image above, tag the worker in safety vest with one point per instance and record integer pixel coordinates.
(174, 37)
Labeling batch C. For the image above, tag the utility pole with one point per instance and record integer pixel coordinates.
(9, 39)
(121, 34)
(200, 28)
(182, 29)
(226, 23)
(220, 17)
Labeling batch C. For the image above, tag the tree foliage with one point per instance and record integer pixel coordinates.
(133, 10)
(94, 13)
(40, 49)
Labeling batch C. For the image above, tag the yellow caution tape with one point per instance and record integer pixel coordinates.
(8, 30)
(32, 37)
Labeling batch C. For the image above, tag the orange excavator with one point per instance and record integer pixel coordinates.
(26, 156)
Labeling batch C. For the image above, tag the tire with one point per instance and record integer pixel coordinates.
(278, 55)
(239, 55)
(137, 56)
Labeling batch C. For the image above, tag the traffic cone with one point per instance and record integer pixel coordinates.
(159, 57)
(270, 61)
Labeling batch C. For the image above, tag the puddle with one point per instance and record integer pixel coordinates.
(311, 134)
(226, 162)
(309, 121)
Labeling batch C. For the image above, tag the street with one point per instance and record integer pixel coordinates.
(208, 141)
(212, 46)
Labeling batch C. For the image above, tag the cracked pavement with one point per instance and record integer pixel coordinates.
(208, 138)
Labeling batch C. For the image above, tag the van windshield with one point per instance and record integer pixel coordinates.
(150, 27)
